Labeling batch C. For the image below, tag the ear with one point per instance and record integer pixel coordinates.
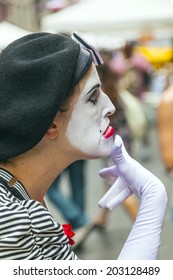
(52, 132)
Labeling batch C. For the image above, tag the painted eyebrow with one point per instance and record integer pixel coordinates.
(95, 86)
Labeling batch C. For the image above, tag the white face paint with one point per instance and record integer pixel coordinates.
(89, 120)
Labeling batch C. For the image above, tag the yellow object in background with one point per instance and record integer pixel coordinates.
(157, 52)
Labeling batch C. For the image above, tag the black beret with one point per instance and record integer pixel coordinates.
(37, 72)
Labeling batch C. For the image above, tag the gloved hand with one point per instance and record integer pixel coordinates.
(144, 239)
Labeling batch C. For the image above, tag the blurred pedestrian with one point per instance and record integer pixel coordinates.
(165, 134)
(111, 80)
(72, 206)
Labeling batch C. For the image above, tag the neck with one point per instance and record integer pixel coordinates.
(36, 174)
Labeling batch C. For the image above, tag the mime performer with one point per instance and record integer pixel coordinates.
(52, 113)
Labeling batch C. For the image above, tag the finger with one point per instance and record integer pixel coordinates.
(116, 188)
(108, 172)
(119, 152)
(116, 201)
(116, 152)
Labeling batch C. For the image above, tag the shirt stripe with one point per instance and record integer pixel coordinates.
(27, 229)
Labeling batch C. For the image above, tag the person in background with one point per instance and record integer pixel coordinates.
(73, 206)
(53, 112)
(165, 133)
(110, 83)
(138, 80)
(138, 70)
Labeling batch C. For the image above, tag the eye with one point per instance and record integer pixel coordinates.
(93, 97)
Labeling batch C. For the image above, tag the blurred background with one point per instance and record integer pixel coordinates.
(135, 39)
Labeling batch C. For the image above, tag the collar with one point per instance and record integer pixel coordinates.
(15, 186)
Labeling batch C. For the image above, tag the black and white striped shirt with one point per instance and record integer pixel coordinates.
(27, 229)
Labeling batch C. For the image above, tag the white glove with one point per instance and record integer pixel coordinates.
(144, 239)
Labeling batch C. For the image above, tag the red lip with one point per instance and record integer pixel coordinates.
(108, 132)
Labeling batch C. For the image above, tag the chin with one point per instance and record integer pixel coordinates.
(106, 146)
(104, 149)
(96, 154)
(101, 149)
(105, 153)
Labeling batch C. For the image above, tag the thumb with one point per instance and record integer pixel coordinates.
(117, 153)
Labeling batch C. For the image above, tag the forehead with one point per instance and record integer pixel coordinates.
(90, 80)
(85, 86)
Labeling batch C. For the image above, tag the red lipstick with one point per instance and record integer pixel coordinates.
(108, 132)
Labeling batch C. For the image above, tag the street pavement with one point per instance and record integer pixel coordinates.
(106, 244)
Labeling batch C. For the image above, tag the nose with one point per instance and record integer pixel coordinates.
(109, 108)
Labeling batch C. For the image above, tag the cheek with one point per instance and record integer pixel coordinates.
(82, 130)
(84, 134)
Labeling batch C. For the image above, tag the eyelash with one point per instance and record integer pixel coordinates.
(93, 98)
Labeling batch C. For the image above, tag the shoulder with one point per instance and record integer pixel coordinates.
(28, 231)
